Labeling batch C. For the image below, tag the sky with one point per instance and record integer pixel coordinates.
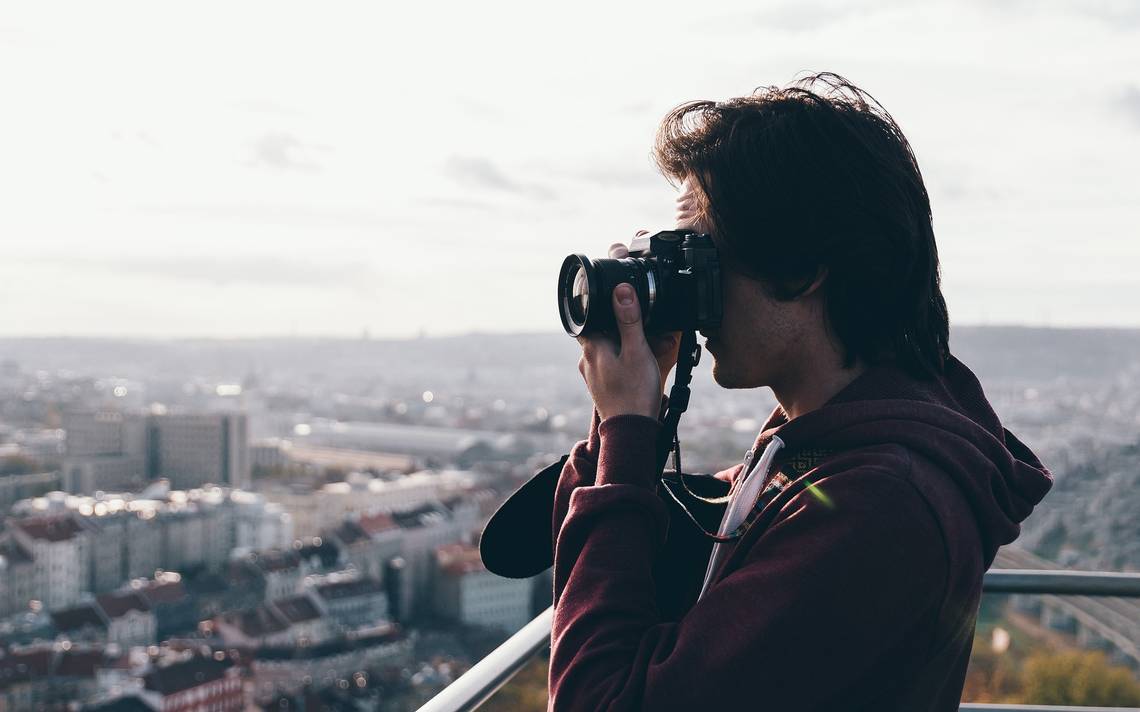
(250, 169)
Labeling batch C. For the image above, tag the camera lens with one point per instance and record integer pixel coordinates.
(585, 289)
(576, 284)
(579, 296)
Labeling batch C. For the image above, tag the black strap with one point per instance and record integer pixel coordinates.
(667, 441)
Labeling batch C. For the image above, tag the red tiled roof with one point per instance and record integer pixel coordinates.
(156, 592)
(80, 663)
(297, 609)
(76, 618)
(375, 523)
(273, 561)
(184, 675)
(335, 590)
(117, 605)
(53, 529)
(459, 559)
(257, 622)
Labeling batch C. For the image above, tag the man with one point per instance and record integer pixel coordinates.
(848, 571)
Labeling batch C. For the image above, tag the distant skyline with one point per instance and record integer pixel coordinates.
(252, 169)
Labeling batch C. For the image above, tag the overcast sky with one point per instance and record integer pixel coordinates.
(241, 169)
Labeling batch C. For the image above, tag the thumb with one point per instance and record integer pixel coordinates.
(627, 312)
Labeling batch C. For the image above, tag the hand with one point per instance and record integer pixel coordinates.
(623, 376)
(665, 347)
(688, 208)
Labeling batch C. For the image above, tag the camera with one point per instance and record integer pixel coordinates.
(675, 273)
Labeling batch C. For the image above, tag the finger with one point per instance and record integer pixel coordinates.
(597, 345)
(618, 251)
(627, 312)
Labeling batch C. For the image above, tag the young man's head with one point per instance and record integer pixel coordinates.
(819, 212)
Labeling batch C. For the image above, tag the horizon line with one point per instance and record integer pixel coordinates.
(359, 337)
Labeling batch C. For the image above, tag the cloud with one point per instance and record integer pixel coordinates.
(1128, 104)
(267, 106)
(288, 214)
(228, 271)
(282, 151)
(481, 173)
(803, 16)
(1115, 13)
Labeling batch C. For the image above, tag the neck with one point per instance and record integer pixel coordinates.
(816, 378)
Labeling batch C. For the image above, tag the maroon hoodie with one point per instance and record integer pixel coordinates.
(859, 592)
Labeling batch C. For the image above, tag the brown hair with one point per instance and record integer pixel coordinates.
(818, 179)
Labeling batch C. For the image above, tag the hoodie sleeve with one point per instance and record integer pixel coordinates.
(578, 471)
(834, 585)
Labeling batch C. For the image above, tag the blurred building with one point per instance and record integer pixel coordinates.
(195, 449)
(466, 592)
(368, 541)
(17, 576)
(287, 670)
(70, 544)
(49, 676)
(424, 530)
(104, 450)
(193, 681)
(60, 550)
(15, 487)
(351, 600)
(327, 507)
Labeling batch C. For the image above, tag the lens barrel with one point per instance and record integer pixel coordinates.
(586, 288)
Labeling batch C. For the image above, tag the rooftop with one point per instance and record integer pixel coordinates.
(117, 605)
(50, 529)
(257, 622)
(276, 560)
(78, 617)
(347, 588)
(459, 559)
(373, 524)
(186, 674)
(297, 609)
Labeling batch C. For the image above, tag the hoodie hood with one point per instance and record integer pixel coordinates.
(946, 420)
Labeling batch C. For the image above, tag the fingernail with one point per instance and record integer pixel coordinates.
(624, 294)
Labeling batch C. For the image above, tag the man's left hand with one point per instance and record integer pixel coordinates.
(622, 375)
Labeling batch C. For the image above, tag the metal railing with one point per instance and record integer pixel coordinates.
(976, 707)
(479, 683)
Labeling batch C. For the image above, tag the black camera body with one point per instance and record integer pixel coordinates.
(675, 273)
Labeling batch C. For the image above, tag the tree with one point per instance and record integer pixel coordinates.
(1078, 678)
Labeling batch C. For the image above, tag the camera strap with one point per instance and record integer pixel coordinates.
(667, 440)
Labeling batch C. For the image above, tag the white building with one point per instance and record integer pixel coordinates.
(124, 537)
(60, 551)
(368, 542)
(466, 592)
(352, 600)
(313, 512)
(424, 529)
(284, 623)
(130, 620)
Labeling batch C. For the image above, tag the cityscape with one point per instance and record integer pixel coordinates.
(290, 523)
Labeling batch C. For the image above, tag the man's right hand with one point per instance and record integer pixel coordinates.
(665, 346)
